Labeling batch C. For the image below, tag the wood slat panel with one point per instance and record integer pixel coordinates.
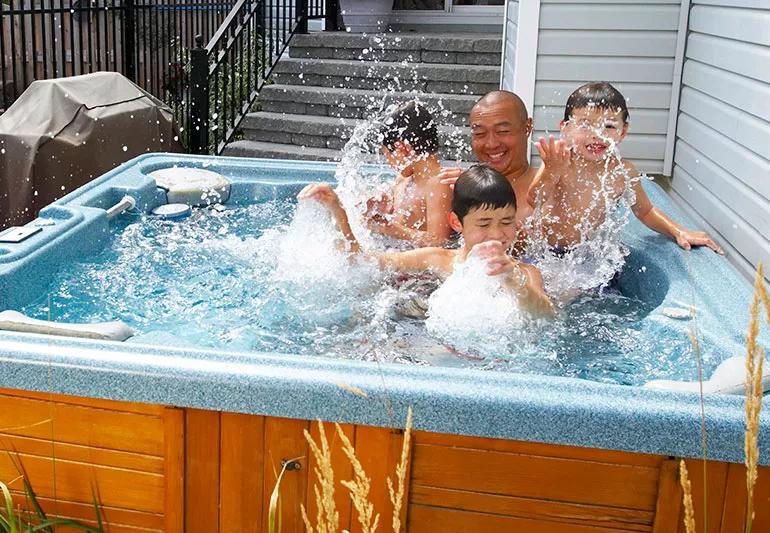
(71, 481)
(110, 405)
(82, 453)
(569, 480)
(77, 424)
(242, 456)
(379, 451)
(537, 448)
(174, 425)
(201, 471)
(534, 509)
(424, 519)
(716, 479)
(116, 518)
(669, 504)
(343, 471)
(284, 440)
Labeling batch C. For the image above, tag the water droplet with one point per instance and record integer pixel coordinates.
(125, 148)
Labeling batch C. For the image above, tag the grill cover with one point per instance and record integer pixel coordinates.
(62, 133)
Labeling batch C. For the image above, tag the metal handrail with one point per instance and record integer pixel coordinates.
(228, 73)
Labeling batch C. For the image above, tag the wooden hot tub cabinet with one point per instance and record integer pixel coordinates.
(160, 468)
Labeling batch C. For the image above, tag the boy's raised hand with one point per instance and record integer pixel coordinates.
(495, 256)
(556, 156)
(321, 192)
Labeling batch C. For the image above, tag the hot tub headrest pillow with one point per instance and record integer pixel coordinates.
(112, 331)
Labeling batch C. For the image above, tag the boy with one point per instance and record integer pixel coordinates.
(416, 209)
(582, 176)
(484, 212)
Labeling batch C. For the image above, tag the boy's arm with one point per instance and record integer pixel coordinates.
(324, 193)
(557, 163)
(524, 281)
(417, 260)
(657, 220)
(438, 204)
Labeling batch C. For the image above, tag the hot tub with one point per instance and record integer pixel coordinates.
(185, 438)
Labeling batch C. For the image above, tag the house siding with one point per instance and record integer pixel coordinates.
(722, 153)
(630, 44)
(511, 32)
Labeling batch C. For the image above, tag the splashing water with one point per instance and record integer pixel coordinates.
(598, 255)
(474, 313)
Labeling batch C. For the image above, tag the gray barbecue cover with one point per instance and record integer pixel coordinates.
(64, 132)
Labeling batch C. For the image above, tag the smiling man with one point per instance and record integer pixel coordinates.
(500, 130)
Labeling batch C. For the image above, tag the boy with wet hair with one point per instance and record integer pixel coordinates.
(583, 175)
(416, 208)
(484, 212)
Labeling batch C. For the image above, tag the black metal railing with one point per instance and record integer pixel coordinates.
(214, 53)
(149, 41)
(227, 73)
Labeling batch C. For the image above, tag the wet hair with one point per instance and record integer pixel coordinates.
(413, 123)
(598, 94)
(481, 187)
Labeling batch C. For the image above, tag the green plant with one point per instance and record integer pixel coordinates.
(20, 521)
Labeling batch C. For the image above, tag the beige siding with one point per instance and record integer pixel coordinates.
(628, 43)
(722, 157)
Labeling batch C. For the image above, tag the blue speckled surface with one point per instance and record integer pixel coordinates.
(470, 402)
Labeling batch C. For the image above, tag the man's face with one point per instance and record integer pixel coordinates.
(485, 224)
(500, 136)
(591, 131)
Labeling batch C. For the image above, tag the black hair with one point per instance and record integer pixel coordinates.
(481, 187)
(413, 123)
(598, 94)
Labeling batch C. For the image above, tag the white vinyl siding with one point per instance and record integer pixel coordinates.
(722, 153)
(628, 43)
(511, 32)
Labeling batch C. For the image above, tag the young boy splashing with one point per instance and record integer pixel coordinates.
(483, 211)
(415, 207)
(580, 191)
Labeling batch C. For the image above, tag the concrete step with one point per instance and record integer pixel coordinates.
(465, 49)
(333, 133)
(246, 148)
(429, 78)
(359, 103)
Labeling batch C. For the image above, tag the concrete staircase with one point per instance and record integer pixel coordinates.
(333, 80)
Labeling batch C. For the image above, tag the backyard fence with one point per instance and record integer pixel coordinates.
(152, 43)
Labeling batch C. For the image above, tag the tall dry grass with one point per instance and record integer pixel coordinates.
(327, 516)
(753, 389)
(689, 512)
(753, 386)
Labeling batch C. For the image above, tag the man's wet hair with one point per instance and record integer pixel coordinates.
(598, 94)
(413, 123)
(481, 187)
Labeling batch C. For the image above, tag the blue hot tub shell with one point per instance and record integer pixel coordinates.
(461, 401)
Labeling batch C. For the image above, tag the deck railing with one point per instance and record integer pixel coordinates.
(227, 73)
(156, 44)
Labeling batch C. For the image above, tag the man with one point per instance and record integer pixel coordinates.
(500, 130)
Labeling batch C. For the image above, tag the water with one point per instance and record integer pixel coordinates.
(256, 278)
